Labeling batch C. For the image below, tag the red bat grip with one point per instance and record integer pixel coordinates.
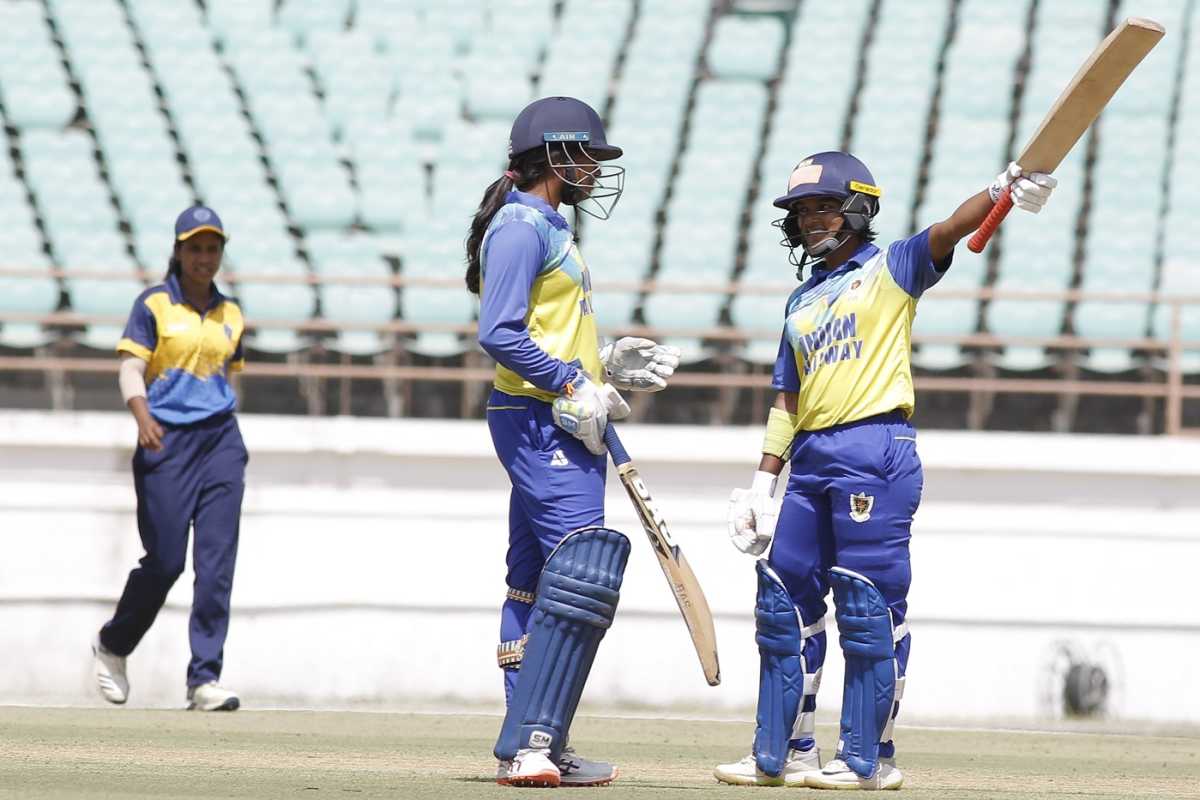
(999, 211)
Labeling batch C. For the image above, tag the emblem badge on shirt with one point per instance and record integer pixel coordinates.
(559, 459)
(860, 506)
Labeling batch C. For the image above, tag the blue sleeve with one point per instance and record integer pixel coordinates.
(785, 377)
(141, 331)
(515, 253)
(912, 265)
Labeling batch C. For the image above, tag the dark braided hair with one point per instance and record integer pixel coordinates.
(529, 168)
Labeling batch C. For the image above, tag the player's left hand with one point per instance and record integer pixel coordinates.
(1029, 191)
(752, 514)
(639, 364)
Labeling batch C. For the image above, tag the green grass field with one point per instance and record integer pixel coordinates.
(128, 753)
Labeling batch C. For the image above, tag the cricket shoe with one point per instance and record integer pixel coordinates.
(800, 764)
(575, 770)
(838, 775)
(109, 669)
(211, 696)
(531, 767)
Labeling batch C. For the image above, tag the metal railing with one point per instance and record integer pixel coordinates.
(1165, 383)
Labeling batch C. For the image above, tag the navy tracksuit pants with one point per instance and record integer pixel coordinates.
(195, 481)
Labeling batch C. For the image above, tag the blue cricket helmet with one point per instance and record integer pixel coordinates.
(830, 174)
(560, 119)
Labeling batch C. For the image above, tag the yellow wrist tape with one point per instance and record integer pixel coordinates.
(781, 428)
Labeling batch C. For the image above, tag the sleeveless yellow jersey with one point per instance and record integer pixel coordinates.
(847, 336)
(535, 314)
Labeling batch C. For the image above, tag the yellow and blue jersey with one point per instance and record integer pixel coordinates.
(535, 313)
(188, 353)
(847, 338)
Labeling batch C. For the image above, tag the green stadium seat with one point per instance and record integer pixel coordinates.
(29, 295)
(112, 298)
(745, 48)
(100, 337)
(614, 310)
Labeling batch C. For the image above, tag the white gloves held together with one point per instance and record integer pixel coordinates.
(752, 514)
(639, 364)
(1029, 191)
(584, 409)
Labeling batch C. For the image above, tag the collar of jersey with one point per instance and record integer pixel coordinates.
(861, 256)
(175, 292)
(533, 201)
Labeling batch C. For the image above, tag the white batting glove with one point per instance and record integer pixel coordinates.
(639, 364)
(752, 514)
(1029, 192)
(584, 409)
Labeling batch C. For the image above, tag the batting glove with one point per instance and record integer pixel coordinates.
(1029, 192)
(639, 365)
(752, 514)
(584, 409)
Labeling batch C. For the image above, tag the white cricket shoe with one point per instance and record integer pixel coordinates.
(838, 775)
(531, 767)
(109, 669)
(211, 696)
(575, 770)
(800, 764)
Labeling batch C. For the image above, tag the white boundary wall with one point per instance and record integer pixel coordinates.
(372, 552)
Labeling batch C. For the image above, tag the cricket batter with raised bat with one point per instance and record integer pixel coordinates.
(841, 416)
(555, 390)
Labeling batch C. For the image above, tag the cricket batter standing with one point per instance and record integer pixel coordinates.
(841, 415)
(555, 391)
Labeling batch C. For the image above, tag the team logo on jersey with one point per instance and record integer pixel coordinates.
(860, 506)
(559, 459)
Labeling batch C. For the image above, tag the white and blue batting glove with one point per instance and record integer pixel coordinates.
(638, 364)
(1029, 192)
(753, 513)
(584, 409)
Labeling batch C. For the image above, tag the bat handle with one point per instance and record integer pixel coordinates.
(619, 456)
(999, 211)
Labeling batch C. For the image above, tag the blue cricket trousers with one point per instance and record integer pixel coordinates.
(557, 487)
(821, 525)
(196, 480)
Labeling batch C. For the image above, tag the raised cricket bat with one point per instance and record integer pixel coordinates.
(688, 594)
(1077, 108)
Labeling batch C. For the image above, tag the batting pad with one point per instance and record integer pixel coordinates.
(576, 599)
(865, 624)
(780, 634)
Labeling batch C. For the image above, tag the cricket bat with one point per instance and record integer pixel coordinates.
(1077, 108)
(688, 594)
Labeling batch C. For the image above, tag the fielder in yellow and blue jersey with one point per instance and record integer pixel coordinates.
(842, 418)
(181, 343)
(555, 390)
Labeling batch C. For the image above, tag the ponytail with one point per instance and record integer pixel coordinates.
(524, 171)
(493, 199)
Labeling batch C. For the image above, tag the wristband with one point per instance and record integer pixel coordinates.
(781, 428)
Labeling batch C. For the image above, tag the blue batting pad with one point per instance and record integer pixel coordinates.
(576, 599)
(865, 624)
(780, 672)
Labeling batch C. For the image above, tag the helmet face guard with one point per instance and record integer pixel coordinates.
(589, 185)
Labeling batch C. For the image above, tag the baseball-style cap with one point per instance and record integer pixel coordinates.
(198, 219)
(560, 119)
